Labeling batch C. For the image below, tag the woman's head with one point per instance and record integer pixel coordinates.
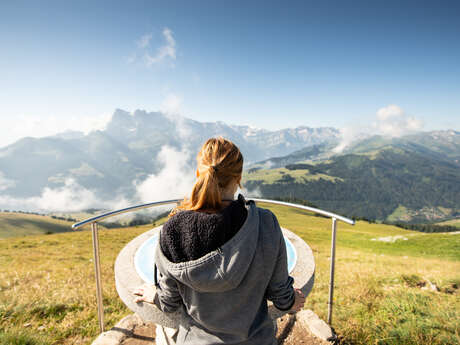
(219, 168)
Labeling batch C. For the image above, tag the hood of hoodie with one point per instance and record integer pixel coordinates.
(222, 269)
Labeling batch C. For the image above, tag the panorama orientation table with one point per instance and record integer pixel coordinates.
(134, 267)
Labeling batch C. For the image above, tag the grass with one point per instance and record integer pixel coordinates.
(400, 213)
(270, 176)
(452, 222)
(47, 289)
(22, 224)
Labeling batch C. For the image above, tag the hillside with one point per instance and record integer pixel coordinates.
(452, 222)
(380, 180)
(47, 284)
(21, 224)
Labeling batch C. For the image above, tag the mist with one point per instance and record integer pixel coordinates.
(390, 121)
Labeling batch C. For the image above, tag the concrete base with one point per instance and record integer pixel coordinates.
(317, 327)
(127, 331)
(305, 328)
(127, 280)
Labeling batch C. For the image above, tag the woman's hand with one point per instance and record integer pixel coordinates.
(298, 302)
(146, 294)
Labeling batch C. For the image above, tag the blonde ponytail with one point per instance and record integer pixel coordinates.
(219, 163)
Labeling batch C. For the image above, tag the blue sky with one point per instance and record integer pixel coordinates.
(69, 64)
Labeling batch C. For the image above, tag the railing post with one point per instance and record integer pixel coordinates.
(331, 282)
(97, 269)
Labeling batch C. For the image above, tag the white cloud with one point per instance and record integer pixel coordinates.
(388, 112)
(392, 121)
(249, 193)
(174, 181)
(347, 136)
(144, 41)
(351, 134)
(166, 51)
(71, 197)
(389, 121)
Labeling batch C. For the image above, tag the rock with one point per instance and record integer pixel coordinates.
(317, 327)
(110, 337)
(430, 286)
(120, 331)
(129, 322)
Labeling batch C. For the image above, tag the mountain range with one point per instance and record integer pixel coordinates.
(108, 161)
(410, 178)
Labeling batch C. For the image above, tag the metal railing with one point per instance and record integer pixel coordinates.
(95, 236)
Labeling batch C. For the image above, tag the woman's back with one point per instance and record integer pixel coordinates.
(189, 235)
(224, 292)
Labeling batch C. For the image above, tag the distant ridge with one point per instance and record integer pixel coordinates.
(413, 179)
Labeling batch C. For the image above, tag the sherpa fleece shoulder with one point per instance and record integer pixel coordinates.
(189, 235)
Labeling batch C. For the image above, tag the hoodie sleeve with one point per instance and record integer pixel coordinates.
(169, 299)
(280, 290)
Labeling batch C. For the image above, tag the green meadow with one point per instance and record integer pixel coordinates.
(14, 224)
(452, 222)
(47, 288)
(274, 175)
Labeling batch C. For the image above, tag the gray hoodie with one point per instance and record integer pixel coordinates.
(224, 293)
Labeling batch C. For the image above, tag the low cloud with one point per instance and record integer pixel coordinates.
(174, 181)
(71, 197)
(349, 135)
(390, 121)
(250, 193)
(394, 122)
(166, 51)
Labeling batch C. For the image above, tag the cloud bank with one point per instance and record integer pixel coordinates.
(71, 197)
(390, 121)
(174, 181)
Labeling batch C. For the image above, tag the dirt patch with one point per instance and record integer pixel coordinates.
(289, 332)
(141, 335)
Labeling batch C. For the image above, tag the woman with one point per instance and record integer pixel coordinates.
(221, 259)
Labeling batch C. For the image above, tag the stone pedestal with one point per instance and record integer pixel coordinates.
(127, 279)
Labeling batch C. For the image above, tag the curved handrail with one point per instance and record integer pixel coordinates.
(175, 201)
(121, 211)
(94, 221)
(308, 208)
